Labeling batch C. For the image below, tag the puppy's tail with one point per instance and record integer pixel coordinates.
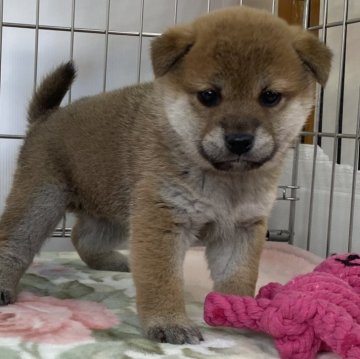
(51, 91)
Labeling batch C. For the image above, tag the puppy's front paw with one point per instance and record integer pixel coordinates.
(7, 296)
(175, 333)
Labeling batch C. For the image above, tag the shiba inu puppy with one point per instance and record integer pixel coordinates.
(194, 155)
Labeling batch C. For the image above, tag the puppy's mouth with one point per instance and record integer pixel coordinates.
(239, 154)
(242, 163)
(238, 163)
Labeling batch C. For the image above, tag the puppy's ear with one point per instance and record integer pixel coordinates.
(314, 54)
(168, 49)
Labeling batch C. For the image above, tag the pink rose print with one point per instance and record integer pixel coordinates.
(53, 321)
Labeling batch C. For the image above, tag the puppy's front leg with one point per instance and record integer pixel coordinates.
(234, 261)
(157, 254)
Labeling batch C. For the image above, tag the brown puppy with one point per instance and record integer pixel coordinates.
(196, 154)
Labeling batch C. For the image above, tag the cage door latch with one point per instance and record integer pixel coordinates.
(278, 235)
(285, 196)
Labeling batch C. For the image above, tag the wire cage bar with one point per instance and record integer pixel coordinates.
(337, 135)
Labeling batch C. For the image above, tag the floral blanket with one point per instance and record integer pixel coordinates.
(68, 311)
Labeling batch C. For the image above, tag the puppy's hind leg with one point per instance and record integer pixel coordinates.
(96, 241)
(33, 210)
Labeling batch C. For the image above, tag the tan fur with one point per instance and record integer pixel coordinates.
(243, 279)
(52, 90)
(141, 162)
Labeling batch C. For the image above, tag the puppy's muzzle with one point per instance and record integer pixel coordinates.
(239, 143)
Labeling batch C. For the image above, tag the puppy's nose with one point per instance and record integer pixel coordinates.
(239, 143)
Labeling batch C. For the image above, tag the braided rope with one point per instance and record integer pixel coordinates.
(312, 312)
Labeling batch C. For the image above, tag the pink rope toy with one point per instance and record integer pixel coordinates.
(314, 312)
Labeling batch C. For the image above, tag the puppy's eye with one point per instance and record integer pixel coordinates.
(209, 98)
(270, 98)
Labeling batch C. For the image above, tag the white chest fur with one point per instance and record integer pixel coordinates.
(224, 201)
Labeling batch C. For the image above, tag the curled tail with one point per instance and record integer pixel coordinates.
(51, 91)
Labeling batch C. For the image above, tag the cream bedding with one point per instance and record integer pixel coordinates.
(67, 311)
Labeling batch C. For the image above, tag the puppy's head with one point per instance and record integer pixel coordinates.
(238, 85)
